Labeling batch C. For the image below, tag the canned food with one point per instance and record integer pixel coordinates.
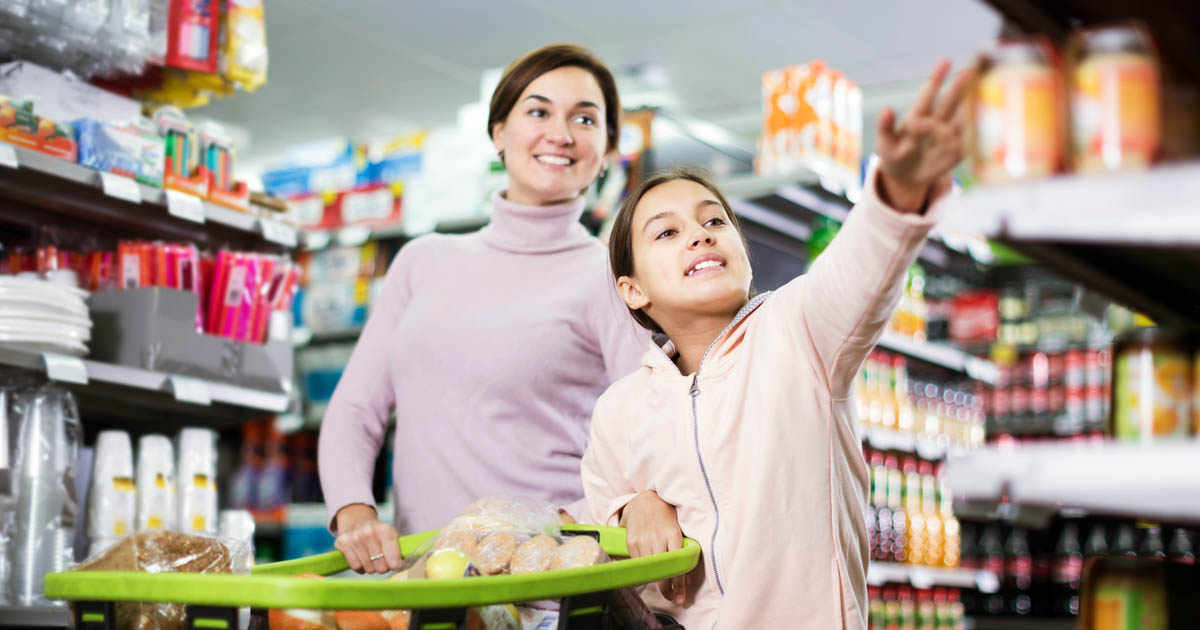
(1016, 113)
(1152, 385)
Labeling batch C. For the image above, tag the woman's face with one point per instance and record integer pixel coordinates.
(689, 259)
(554, 138)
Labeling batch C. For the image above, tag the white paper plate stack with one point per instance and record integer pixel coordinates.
(44, 316)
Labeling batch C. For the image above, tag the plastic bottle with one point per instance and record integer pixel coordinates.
(991, 550)
(1067, 572)
(881, 551)
(1152, 547)
(1180, 549)
(1125, 542)
(1018, 573)
(1097, 542)
(915, 523)
(935, 533)
(899, 537)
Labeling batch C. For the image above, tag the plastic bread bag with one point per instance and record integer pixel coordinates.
(490, 531)
(166, 552)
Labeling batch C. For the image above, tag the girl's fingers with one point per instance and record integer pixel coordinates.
(886, 127)
(925, 100)
(678, 583)
(950, 103)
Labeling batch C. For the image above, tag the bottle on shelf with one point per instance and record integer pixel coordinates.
(991, 551)
(908, 609)
(915, 542)
(935, 533)
(1018, 573)
(926, 610)
(1125, 542)
(891, 600)
(1180, 548)
(887, 392)
(1152, 547)
(877, 611)
(1067, 572)
(1097, 541)
(895, 505)
(970, 559)
(881, 550)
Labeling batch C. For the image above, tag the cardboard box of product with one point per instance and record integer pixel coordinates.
(20, 126)
(128, 150)
(64, 97)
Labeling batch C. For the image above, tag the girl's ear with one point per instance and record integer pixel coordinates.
(632, 293)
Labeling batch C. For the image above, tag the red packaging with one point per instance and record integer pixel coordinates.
(264, 282)
(219, 277)
(193, 30)
(974, 317)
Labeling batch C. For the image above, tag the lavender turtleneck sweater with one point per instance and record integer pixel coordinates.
(491, 348)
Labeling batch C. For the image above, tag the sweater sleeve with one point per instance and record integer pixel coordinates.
(605, 486)
(355, 422)
(845, 300)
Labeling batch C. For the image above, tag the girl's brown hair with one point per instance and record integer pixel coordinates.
(620, 241)
(520, 73)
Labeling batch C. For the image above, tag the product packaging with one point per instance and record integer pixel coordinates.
(197, 481)
(1152, 385)
(112, 499)
(216, 155)
(19, 126)
(245, 58)
(131, 150)
(156, 498)
(182, 169)
(193, 32)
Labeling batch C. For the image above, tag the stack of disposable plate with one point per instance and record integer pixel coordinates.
(43, 316)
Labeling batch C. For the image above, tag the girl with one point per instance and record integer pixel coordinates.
(739, 429)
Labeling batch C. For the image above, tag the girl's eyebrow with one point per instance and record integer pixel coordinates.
(669, 213)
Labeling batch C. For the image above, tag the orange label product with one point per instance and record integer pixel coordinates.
(789, 119)
(1016, 115)
(1152, 386)
(1116, 115)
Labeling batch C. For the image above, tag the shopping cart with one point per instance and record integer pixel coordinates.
(585, 595)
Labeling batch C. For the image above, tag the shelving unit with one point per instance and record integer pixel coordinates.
(44, 184)
(34, 617)
(1150, 482)
(923, 446)
(880, 573)
(123, 393)
(1131, 236)
(942, 355)
(353, 235)
(305, 336)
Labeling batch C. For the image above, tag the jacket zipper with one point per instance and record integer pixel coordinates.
(695, 393)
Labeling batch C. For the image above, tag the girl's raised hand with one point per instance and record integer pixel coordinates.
(916, 155)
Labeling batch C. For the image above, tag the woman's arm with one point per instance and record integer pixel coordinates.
(845, 300)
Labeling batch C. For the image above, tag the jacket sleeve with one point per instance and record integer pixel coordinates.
(605, 486)
(838, 310)
(355, 423)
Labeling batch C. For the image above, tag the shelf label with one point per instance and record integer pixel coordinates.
(60, 367)
(353, 236)
(278, 232)
(8, 155)
(185, 206)
(121, 187)
(191, 390)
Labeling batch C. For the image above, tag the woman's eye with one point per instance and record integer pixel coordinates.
(537, 113)
(665, 233)
(585, 120)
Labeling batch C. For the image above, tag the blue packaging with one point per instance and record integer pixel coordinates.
(127, 150)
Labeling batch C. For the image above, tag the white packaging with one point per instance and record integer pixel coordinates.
(64, 98)
(156, 507)
(197, 481)
(112, 498)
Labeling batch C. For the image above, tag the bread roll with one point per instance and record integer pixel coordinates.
(494, 552)
(534, 555)
(576, 552)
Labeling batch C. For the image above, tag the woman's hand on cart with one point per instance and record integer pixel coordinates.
(370, 545)
(652, 526)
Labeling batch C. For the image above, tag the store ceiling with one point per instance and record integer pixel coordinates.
(363, 68)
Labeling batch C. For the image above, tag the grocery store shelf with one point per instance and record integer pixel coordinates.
(1155, 481)
(34, 617)
(124, 392)
(921, 445)
(303, 336)
(1022, 623)
(354, 235)
(45, 183)
(880, 573)
(940, 354)
(1127, 235)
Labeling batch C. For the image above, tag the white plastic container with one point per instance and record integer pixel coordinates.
(156, 491)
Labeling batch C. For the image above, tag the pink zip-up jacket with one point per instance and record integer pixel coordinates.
(759, 449)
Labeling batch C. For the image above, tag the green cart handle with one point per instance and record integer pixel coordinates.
(274, 585)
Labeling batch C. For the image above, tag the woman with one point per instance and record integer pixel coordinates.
(490, 347)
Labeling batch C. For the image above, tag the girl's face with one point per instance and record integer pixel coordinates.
(554, 138)
(689, 259)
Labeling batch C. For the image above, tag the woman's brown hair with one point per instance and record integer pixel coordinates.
(620, 241)
(520, 73)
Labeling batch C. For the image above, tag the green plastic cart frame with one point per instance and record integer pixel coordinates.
(213, 599)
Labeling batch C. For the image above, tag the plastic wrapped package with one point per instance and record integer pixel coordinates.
(197, 481)
(112, 498)
(534, 555)
(166, 552)
(47, 446)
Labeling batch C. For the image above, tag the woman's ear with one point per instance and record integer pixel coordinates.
(498, 137)
(632, 294)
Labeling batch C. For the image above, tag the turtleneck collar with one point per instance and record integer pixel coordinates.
(535, 229)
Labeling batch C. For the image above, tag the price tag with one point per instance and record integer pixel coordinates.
(191, 390)
(278, 232)
(121, 187)
(185, 206)
(8, 155)
(353, 236)
(60, 367)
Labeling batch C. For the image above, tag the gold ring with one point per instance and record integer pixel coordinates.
(375, 557)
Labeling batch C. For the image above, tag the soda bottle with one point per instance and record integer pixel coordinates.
(881, 551)
(1018, 573)
(991, 550)
(1152, 544)
(952, 535)
(1097, 542)
(887, 391)
(915, 522)
(934, 529)
(926, 610)
(1125, 542)
(899, 538)
(1041, 593)
(1067, 572)
(900, 395)
(1180, 549)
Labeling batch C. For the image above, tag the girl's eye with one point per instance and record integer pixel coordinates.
(665, 233)
(585, 120)
(715, 221)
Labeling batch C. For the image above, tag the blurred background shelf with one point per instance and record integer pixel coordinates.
(880, 573)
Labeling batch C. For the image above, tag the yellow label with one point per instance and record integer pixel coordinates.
(123, 484)
(160, 481)
(198, 523)
(154, 522)
(200, 481)
(120, 528)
